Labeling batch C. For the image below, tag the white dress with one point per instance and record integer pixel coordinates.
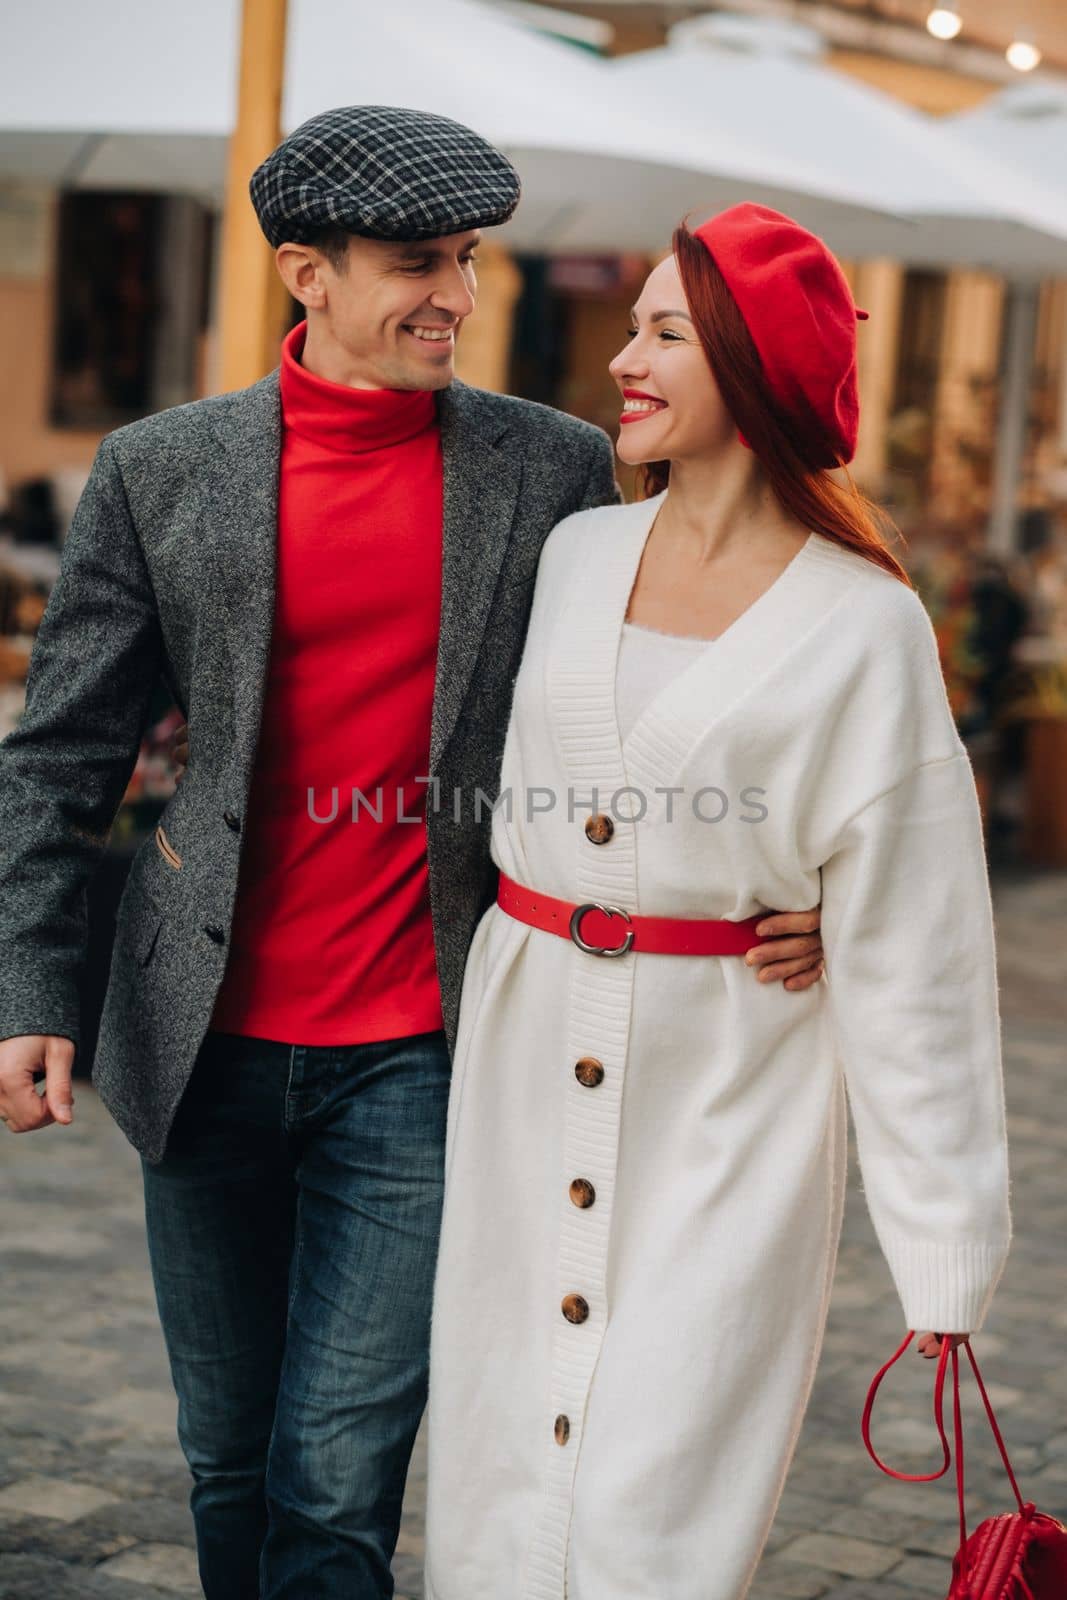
(665, 1137)
(648, 660)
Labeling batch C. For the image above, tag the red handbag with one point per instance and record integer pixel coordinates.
(1019, 1555)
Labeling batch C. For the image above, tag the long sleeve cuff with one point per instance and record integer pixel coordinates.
(945, 1288)
(39, 997)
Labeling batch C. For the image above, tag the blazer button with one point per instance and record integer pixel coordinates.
(589, 1071)
(599, 829)
(562, 1429)
(218, 934)
(582, 1192)
(574, 1308)
(232, 820)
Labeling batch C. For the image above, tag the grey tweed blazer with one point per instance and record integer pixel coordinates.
(169, 566)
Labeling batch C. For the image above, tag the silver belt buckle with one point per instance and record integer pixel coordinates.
(609, 911)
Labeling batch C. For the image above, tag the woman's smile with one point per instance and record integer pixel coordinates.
(637, 405)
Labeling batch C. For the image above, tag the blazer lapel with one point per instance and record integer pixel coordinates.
(482, 473)
(242, 530)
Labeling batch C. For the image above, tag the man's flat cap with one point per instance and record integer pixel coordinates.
(384, 172)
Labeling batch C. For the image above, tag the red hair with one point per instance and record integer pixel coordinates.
(810, 494)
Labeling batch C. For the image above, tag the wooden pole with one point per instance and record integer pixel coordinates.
(879, 289)
(1017, 367)
(254, 300)
(483, 353)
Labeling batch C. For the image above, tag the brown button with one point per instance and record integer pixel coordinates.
(589, 1071)
(563, 1429)
(582, 1192)
(599, 829)
(574, 1308)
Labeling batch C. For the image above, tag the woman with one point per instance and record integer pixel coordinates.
(645, 1158)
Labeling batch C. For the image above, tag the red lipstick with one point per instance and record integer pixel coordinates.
(641, 416)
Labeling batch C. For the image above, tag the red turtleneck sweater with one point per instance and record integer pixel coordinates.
(332, 941)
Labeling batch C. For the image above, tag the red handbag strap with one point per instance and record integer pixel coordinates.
(957, 1424)
(1001, 1446)
(939, 1389)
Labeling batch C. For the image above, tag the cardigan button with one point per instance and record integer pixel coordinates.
(216, 933)
(232, 821)
(562, 1429)
(589, 1072)
(582, 1192)
(574, 1308)
(599, 829)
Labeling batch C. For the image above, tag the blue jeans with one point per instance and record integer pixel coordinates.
(293, 1228)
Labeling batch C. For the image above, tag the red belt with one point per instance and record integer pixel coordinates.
(588, 924)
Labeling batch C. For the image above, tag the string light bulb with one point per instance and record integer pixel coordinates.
(944, 22)
(1023, 55)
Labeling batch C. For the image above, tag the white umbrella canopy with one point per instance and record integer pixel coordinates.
(118, 93)
(1026, 125)
(763, 82)
(612, 154)
(125, 93)
(597, 174)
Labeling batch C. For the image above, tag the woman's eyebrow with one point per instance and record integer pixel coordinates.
(661, 316)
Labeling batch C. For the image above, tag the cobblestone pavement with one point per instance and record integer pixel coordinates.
(94, 1493)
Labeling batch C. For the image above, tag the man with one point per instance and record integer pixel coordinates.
(333, 569)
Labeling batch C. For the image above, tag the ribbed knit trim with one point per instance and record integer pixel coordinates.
(686, 710)
(581, 686)
(945, 1288)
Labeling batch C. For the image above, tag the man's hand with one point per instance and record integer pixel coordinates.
(22, 1109)
(796, 958)
(179, 747)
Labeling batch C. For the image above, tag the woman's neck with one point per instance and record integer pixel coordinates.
(722, 509)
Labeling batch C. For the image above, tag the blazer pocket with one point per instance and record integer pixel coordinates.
(166, 849)
(144, 935)
(138, 925)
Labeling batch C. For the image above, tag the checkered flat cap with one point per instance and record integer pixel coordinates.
(384, 172)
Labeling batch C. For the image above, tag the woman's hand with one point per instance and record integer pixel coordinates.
(929, 1344)
(798, 957)
(179, 747)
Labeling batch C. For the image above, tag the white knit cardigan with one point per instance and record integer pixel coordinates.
(715, 1139)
